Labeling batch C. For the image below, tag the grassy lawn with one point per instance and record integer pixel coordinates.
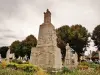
(27, 69)
(9, 71)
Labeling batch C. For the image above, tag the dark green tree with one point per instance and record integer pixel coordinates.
(79, 39)
(3, 51)
(76, 36)
(64, 33)
(27, 45)
(23, 48)
(14, 46)
(96, 36)
(63, 38)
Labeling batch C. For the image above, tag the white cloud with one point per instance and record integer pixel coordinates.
(23, 17)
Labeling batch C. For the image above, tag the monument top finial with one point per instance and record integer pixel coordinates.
(48, 11)
(47, 16)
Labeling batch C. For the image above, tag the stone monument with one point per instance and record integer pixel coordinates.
(46, 54)
(70, 58)
(7, 55)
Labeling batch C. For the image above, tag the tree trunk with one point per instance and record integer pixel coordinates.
(79, 57)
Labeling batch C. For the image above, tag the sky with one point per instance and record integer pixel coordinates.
(20, 18)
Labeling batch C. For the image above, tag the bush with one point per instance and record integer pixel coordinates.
(9, 71)
(0, 66)
(84, 64)
(12, 65)
(82, 67)
(98, 68)
(93, 65)
(24, 67)
(3, 64)
(41, 72)
(65, 69)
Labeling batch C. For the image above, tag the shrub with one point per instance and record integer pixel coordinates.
(65, 69)
(98, 68)
(81, 67)
(24, 67)
(41, 72)
(0, 66)
(84, 63)
(93, 65)
(12, 65)
(3, 64)
(9, 71)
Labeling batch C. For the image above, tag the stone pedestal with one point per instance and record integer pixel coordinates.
(47, 57)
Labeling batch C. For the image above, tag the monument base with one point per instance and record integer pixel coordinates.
(46, 57)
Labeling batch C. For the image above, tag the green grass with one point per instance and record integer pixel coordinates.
(9, 71)
(78, 72)
(93, 70)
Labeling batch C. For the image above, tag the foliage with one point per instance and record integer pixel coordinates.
(3, 51)
(65, 69)
(84, 63)
(3, 64)
(98, 68)
(79, 72)
(76, 36)
(28, 43)
(21, 70)
(81, 67)
(41, 72)
(63, 33)
(14, 45)
(24, 67)
(14, 48)
(24, 47)
(61, 45)
(63, 38)
(93, 65)
(27, 68)
(9, 71)
(96, 36)
(79, 39)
